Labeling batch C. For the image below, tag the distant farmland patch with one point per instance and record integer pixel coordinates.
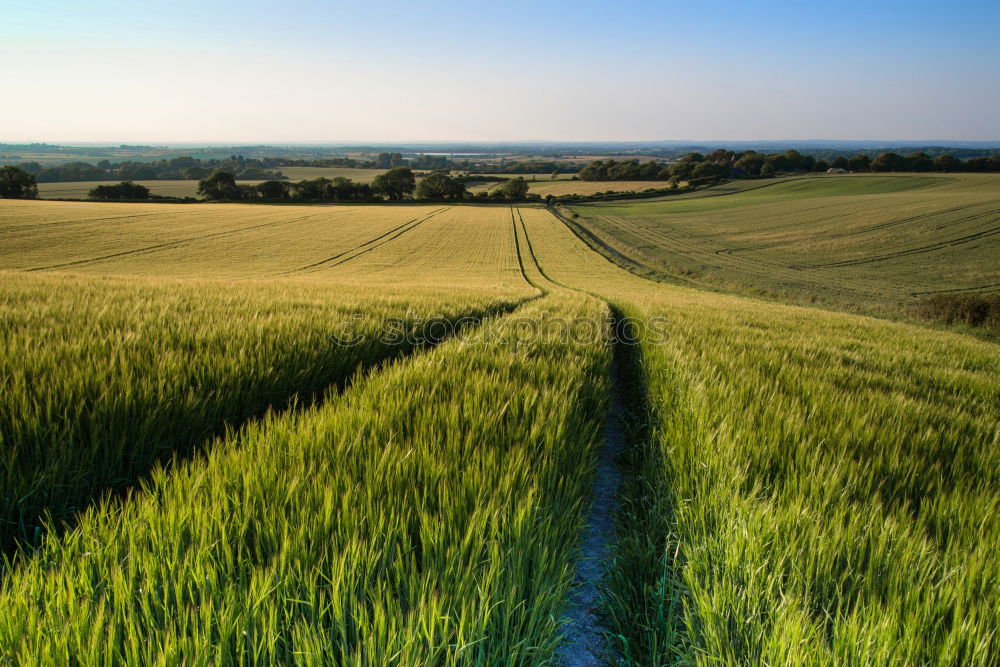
(309, 173)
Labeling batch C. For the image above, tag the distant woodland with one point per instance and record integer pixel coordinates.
(723, 163)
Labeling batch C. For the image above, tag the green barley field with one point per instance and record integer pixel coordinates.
(374, 435)
(874, 242)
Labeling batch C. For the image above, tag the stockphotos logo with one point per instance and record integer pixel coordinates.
(515, 331)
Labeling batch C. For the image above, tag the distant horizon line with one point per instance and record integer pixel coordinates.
(518, 142)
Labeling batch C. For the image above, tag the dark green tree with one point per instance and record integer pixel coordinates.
(180, 163)
(316, 189)
(196, 173)
(750, 163)
(72, 171)
(345, 189)
(273, 190)
(889, 162)
(720, 156)
(31, 167)
(681, 171)
(709, 169)
(790, 160)
(124, 190)
(439, 185)
(515, 188)
(919, 162)
(395, 184)
(991, 163)
(947, 163)
(16, 183)
(860, 162)
(219, 185)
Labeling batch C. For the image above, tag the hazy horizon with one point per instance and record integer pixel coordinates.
(107, 72)
(512, 142)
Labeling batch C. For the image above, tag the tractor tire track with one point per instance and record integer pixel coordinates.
(584, 643)
(962, 240)
(975, 288)
(89, 220)
(531, 252)
(399, 230)
(873, 228)
(167, 245)
(915, 218)
(517, 249)
(614, 256)
(760, 223)
(684, 247)
(520, 258)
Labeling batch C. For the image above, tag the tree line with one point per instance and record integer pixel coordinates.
(723, 163)
(522, 167)
(124, 190)
(396, 184)
(173, 169)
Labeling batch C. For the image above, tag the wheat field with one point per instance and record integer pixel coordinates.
(800, 486)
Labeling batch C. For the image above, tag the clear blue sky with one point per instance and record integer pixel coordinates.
(309, 71)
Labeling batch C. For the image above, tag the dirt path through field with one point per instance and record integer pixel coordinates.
(583, 638)
(584, 642)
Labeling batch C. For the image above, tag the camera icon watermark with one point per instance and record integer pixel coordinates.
(515, 331)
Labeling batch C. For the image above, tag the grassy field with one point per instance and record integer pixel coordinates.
(800, 486)
(296, 174)
(875, 242)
